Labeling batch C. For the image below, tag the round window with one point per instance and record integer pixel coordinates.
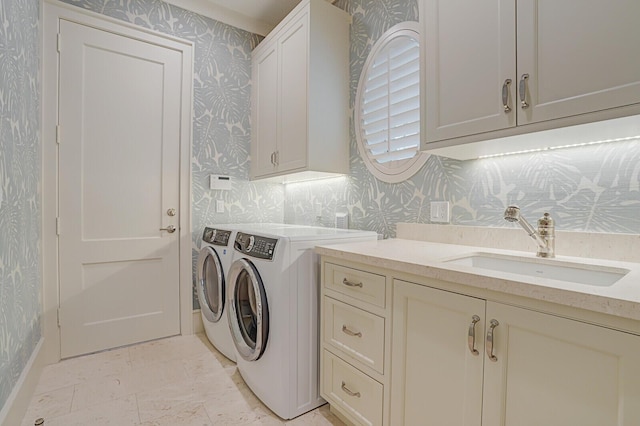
(388, 106)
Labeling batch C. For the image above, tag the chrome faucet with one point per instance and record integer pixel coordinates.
(544, 236)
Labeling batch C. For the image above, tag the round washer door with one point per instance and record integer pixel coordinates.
(210, 284)
(248, 311)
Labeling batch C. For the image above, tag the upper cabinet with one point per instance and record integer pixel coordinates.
(492, 69)
(300, 94)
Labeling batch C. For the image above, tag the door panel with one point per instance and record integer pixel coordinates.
(436, 379)
(264, 112)
(130, 147)
(576, 63)
(293, 84)
(467, 57)
(119, 114)
(558, 372)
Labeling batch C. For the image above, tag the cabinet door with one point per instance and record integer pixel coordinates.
(264, 111)
(435, 379)
(557, 372)
(294, 59)
(581, 56)
(469, 50)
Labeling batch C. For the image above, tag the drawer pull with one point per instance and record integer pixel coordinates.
(350, 283)
(471, 339)
(489, 345)
(346, 330)
(348, 391)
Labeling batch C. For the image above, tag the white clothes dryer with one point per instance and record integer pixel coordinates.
(212, 266)
(273, 310)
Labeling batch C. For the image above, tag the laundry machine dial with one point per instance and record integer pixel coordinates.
(248, 243)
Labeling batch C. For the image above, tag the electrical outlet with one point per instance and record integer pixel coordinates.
(318, 208)
(439, 212)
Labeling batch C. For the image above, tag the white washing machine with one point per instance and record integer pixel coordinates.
(273, 309)
(213, 264)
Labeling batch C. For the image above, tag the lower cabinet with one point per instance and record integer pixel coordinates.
(435, 379)
(356, 394)
(355, 328)
(462, 361)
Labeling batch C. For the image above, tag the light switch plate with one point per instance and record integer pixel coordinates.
(439, 212)
(219, 206)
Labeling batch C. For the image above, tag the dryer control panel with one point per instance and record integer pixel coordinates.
(255, 245)
(218, 237)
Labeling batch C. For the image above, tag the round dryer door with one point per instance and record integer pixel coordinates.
(248, 310)
(210, 284)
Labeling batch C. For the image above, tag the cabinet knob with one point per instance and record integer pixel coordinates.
(523, 91)
(471, 339)
(489, 344)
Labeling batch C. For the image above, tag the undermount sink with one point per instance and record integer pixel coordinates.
(588, 274)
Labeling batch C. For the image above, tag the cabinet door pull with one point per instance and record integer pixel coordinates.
(471, 339)
(348, 331)
(348, 391)
(523, 91)
(505, 95)
(489, 344)
(351, 283)
(277, 158)
(273, 158)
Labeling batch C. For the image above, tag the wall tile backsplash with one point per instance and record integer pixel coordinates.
(20, 210)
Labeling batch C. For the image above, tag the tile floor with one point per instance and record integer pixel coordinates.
(176, 381)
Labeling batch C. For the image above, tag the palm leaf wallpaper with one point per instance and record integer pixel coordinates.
(20, 256)
(594, 188)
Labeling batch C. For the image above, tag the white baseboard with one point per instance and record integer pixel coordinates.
(16, 406)
(198, 327)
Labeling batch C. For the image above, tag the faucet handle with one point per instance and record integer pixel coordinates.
(546, 224)
(547, 231)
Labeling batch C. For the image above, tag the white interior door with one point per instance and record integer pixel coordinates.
(119, 117)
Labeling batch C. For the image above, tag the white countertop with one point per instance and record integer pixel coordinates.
(427, 259)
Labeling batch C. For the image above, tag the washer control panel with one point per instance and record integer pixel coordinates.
(255, 245)
(218, 237)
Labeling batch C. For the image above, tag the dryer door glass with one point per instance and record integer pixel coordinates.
(210, 284)
(248, 310)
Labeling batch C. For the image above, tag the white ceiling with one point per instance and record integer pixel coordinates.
(269, 11)
(256, 16)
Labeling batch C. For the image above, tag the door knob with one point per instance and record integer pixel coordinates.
(170, 229)
(171, 212)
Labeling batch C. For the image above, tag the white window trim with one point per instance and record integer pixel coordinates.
(392, 171)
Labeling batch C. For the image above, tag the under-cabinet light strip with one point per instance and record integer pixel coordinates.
(575, 145)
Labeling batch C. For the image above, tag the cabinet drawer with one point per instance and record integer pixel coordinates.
(365, 286)
(357, 332)
(351, 390)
